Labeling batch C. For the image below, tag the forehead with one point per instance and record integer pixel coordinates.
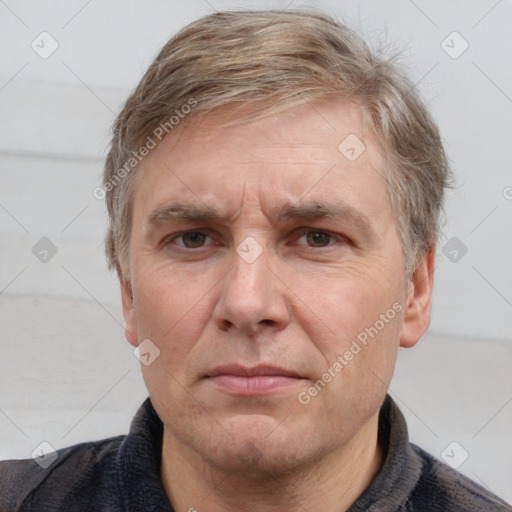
(314, 151)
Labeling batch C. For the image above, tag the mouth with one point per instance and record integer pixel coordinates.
(250, 381)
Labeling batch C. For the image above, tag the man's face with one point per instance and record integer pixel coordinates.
(252, 305)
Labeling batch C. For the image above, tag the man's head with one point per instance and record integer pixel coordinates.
(276, 245)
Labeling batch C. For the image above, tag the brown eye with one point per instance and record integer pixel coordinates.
(193, 239)
(318, 238)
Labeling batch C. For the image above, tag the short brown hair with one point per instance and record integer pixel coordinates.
(273, 60)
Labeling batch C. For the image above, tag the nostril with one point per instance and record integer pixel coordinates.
(225, 325)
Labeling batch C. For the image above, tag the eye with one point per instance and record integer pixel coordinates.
(189, 239)
(318, 239)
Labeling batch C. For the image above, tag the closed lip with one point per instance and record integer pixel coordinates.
(253, 371)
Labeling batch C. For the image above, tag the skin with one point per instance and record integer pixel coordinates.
(299, 306)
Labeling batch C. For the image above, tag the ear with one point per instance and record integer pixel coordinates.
(419, 302)
(130, 317)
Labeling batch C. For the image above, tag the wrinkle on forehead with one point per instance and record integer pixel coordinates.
(286, 158)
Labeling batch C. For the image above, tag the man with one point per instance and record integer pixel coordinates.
(273, 192)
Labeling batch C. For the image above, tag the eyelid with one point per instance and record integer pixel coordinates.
(171, 238)
(308, 229)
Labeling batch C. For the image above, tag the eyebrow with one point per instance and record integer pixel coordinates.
(183, 212)
(318, 210)
(315, 210)
(312, 210)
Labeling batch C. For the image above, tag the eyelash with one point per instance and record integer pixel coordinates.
(304, 232)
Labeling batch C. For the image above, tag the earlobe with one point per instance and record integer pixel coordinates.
(129, 313)
(419, 302)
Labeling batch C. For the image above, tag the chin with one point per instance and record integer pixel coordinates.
(260, 447)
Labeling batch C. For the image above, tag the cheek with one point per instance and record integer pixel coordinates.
(171, 312)
(356, 322)
(339, 306)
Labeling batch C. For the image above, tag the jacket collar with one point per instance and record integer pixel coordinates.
(401, 469)
(138, 464)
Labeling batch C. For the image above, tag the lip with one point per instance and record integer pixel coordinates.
(262, 370)
(249, 381)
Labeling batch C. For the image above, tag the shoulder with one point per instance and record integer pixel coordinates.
(77, 475)
(441, 487)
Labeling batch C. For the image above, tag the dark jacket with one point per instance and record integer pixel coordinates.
(123, 474)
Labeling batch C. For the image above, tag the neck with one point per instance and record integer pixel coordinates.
(332, 483)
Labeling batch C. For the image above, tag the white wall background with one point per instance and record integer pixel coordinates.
(66, 373)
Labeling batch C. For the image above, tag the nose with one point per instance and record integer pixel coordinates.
(252, 298)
